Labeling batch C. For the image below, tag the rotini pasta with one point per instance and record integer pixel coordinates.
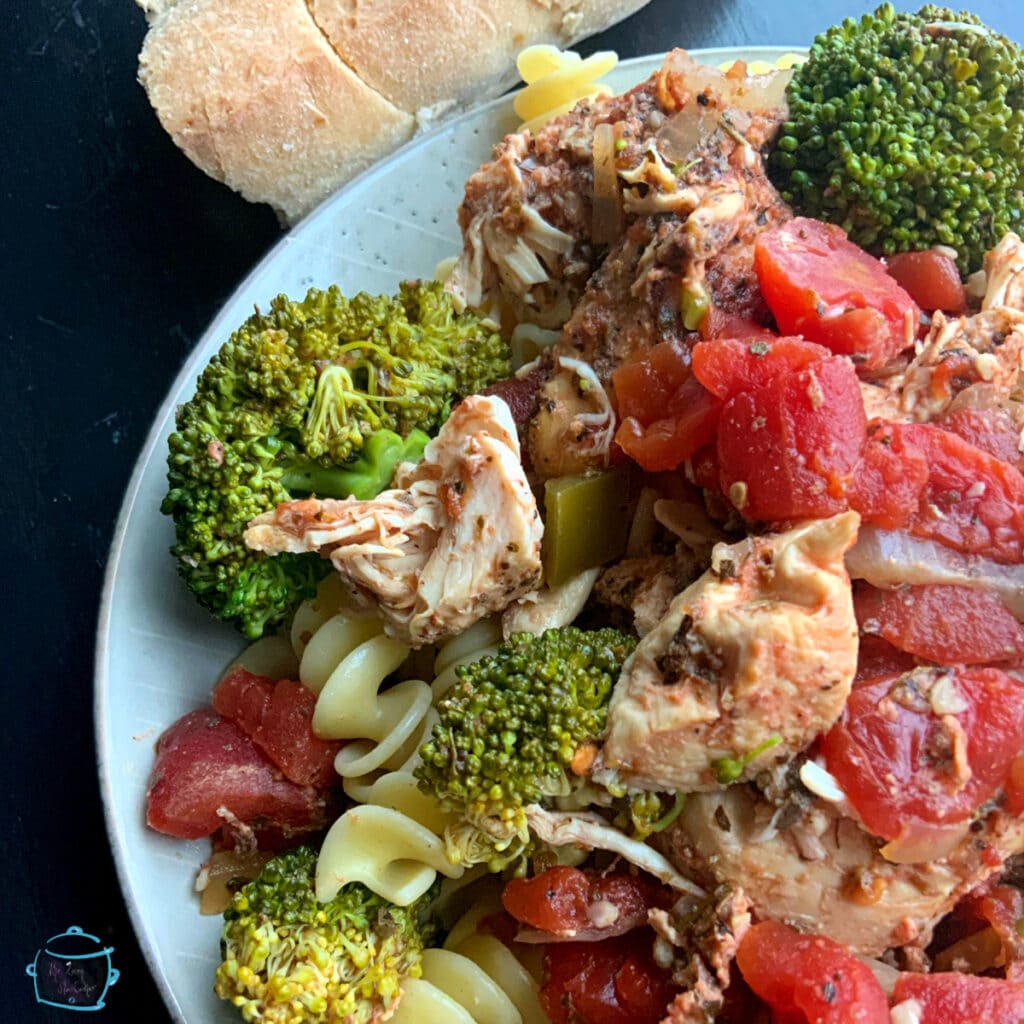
(556, 81)
(392, 841)
(473, 979)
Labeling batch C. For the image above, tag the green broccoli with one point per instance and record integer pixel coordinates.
(907, 130)
(287, 959)
(310, 397)
(511, 731)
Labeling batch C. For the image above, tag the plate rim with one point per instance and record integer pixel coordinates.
(216, 326)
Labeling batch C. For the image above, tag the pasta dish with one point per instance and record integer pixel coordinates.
(637, 608)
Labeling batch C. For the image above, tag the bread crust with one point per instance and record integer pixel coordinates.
(285, 100)
(254, 94)
(420, 54)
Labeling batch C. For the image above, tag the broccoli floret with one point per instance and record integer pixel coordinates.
(509, 731)
(312, 397)
(907, 130)
(287, 959)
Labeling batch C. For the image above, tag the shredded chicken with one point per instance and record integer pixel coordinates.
(573, 427)
(527, 216)
(1004, 274)
(702, 943)
(458, 537)
(987, 348)
(591, 832)
(824, 874)
(749, 665)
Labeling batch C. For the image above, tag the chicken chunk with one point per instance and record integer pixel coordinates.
(458, 537)
(825, 874)
(751, 663)
(1004, 273)
(528, 215)
(984, 349)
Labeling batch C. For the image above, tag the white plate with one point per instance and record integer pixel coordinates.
(157, 652)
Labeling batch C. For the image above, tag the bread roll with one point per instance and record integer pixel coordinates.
(285, 100)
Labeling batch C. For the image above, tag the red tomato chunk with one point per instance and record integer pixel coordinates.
(930, 278)
(972, 501)
(944, 624)
(615, 981)
(204, 763)
(902, 764)
(561, 900)
(788, 449)
(889, 481)
(955, 998)
(665, 414)
(808, 979)
(278, 718)
(729, 366)
(820, 285)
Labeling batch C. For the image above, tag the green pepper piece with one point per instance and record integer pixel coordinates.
(586, 522)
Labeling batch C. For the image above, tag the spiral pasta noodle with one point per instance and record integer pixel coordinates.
(392, 841)
(473, 979)
(556, 81)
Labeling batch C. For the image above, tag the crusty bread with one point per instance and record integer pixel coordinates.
(286, 100)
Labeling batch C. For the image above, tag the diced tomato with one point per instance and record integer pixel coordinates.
(204, 763)
(243, 697)
(877, 657)
(991, 430)
(999, 908)
(689, 424)
(972, 501)
(615, 981)
(664, 412)
(561, 899)
(644, 387)
(961, 998)
(890, 479)
(278, 718)
(944, 624)
(900, 764)
(820, 285)
(930, 278)
(808, 979)
(720, 324)
(789, 449)
(728, 366)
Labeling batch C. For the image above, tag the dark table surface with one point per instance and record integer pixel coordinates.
(116, 254)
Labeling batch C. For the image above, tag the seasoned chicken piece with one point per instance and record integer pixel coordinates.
(987, 348)
(825, 874)
(574, 425)
(457, 539)
(705, 939)
(645, 587)
(528, 216)
(1004, 273)
(636, 297)
(750, 664)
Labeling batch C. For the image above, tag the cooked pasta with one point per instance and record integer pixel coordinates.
(556, 81)
(473, 979)
(391, 843)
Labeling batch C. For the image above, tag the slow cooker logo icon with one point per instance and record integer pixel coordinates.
(73, 971)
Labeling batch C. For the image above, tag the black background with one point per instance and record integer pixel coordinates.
(116, 252)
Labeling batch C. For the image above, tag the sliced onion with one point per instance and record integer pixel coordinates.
(920, 843)
(607, 224)
(225, 873)
(624, 924)
(892, 558)
(754, 94)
